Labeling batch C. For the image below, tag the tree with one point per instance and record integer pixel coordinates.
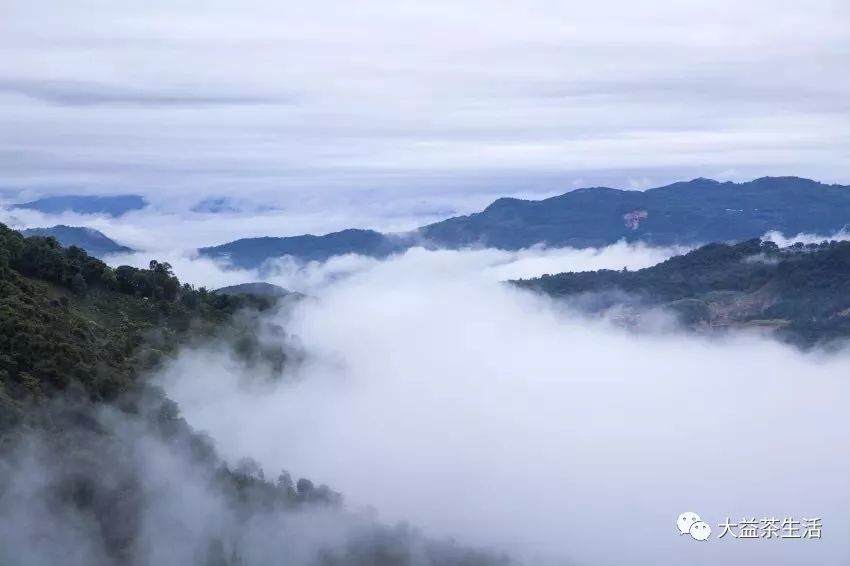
(249, 467)
(79, 285)
(107, 277)
(305, 488)
(284, 480)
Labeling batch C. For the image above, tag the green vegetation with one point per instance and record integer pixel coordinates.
(802, 292)
(68, 318)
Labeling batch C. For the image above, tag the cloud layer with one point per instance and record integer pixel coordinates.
(477, 411)
(262, 99)
(495, 265)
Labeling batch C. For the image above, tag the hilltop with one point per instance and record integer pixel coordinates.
(253, 252)
(93, 241)
(801, 292)
(112, 205)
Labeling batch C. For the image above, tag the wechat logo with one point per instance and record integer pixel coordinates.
(689, 523)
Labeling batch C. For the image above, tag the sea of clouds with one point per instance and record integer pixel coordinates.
(444, 397)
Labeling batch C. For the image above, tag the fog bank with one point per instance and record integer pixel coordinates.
(477, 411)
(493, 264)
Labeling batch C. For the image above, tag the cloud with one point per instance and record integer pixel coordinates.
(78, 93)
(496, 265)
(783, 241)
(164, 230)
(417, 99)
(477, 411)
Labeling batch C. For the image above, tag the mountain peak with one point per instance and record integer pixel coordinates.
(96, 243)
(257, 288)
(503, 202)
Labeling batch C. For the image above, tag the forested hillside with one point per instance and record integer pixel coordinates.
(690, 212)
(68, 318)
(98, 465)
(802, 291)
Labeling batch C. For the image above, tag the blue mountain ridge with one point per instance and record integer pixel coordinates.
(113, 205)
(687, 213)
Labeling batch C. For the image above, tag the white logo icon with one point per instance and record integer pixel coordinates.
(700, 531)
(690, 523)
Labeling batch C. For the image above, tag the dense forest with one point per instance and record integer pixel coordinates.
(802, 292)
(68, 318)
(96, 464)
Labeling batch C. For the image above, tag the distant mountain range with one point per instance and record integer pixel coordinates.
(94, 242)
(115, 205)
(688, 213)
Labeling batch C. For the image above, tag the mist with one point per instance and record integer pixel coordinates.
(168, 228)
(783, 240)
(496, 265)
(108, 486)
(432, 393)
(474, 410)
(493, 264)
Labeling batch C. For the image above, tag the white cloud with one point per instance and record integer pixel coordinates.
(783, 241)
(150, 501)
(495, 265)
(481, 412)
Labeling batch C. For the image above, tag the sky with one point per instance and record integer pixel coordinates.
(327, 104)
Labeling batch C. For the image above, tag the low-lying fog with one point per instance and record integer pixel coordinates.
(493, 264)
(441, 396)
